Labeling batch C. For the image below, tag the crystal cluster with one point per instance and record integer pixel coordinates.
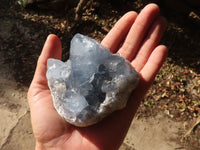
(91, 84)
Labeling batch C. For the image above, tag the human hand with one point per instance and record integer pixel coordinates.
(136, 38)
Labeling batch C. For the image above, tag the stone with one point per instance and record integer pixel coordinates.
(92, 84)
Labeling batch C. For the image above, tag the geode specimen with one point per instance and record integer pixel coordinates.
(91, 84)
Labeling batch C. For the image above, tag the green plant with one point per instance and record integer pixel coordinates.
(148, 104)
(21, 3)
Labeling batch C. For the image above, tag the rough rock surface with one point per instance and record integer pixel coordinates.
(91, 84)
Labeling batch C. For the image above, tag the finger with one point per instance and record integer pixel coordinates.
(138, 31)
(147, 74)
(117, 34)
(154, 63)
(149, 44)
(52, 49)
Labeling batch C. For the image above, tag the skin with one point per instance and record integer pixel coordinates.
(136, 37)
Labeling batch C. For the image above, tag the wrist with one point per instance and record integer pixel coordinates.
(40, 146)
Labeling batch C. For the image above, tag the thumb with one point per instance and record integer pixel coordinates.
(52, 49)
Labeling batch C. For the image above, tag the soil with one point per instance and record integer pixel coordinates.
(168, 111)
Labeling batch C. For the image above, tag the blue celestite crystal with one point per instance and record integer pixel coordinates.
(91, 84)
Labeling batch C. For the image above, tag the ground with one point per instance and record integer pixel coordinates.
(169, 110)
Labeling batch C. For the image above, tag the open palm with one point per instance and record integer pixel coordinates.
(136, 38)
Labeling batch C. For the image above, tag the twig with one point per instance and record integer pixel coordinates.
(193, 127)
(79, 8)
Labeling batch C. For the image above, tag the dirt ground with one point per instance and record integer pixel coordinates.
(169, 110)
